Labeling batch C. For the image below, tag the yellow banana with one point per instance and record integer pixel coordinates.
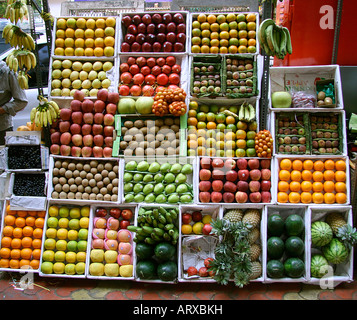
(31, 41)
(21, 14)
(33, 59)
(33, 114)
(52, 111)
(10, 62)
(9, 35)
(49, 117)
(15, 64)
(27, 61)
(55, 106)
(44, 118)
(37, 118)
(6, 30)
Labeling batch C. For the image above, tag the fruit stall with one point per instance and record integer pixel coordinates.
(160, 166)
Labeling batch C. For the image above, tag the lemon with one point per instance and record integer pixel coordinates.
(110, 256)
(52, 222)
(186, 229)
(48, 255)
(83, 234)
(60, 256)
(126, 270)
(84, 222)
(58, 267)
(81, 256)
(51, 233)
(197, 228)
(70, 269)
(62, 234)
(53, 211)
(206, 219)
(72, 235)
(61, 245)
(63, 223)
(63, 212)
(85, 211)
(74, 224)
(75, 213)
(47, 267)
(71, 257)
(80, 267)
(50, 244)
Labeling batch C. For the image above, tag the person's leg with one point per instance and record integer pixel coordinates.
(3, 134)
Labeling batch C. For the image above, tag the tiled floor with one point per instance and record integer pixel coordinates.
(89, 289)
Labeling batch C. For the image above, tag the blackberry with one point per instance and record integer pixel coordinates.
(29, 185)
(24, 157)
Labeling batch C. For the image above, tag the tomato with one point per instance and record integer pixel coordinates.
(162, 79)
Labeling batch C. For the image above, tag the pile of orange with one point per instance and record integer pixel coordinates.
(21, 239)
(312, 181)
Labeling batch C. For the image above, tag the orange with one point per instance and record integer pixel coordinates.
(30, 221)
(22, 214)
(41, 214)
(341, 197)
(9, 220)
(20, 222)
(16, 243)
(297, 165)
(329, 186)
(7, 231)
(295, 175)
(37, 233)
(39, 222)
(319, 165)
(295, 186)
(14, 264)
(284, 175)
(306, 186)
(191, 121)
(17, 233)
(36, 253)
(340, 165)
(329, 198)
(36, 243)
(32, 213)
(27, 231)
(306, 197)
(26, 253)
(294, 197)
(317, 186)
(283, 186)
(230, 120)
(241, 134)
(9, 211)
(317, 176)
(329, 175)
(15, 254)
(26, 242)
(317, 197)
(211, 125)
(191, 144)
(35, 264)
(329, 164)
(6, 242)
(285, 164)
(283, 197)
(308, 164)
(4, 263)
(340, 176)
(5, 253)
(340, 187)
(24, 263)
(306, 175)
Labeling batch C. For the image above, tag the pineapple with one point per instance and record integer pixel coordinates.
(253, 235)
(234, 215)
(252, 216)
(256, 270)
(335, 221)
(255, 251)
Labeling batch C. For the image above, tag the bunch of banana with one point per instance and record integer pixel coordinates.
(45, 113)
(246, 112)
(16, 10)
(23, 80)
(17, 38)
(274, 39)
(21, 59)
(47, 16)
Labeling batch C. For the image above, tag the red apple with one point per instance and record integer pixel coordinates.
(127, 214)
(87, 152)
(99, 106)
(88, 140)
(230, 186)
(253, 164)
(100, 212)
(217, 185)
(78, 95)
(113, 97)
(216, 197)
(204, 196)
(55, 149)
(265, 163)
(115, 212)
(108, 131)
(205, 174)
(108, 141)
(265, 196)
(97, 129)
(66, 138)
(76, 151)
(206, 230)
(205, 163)
(98, 140)
(77, 117)
(98, 118)
(255, 197)
(204, 185)
(242, 186)
(86, 129)
(254, 186)
(186, 218)
(217, 163)
(102, 94)
(196, 216)
(64, 126)
(77, 140)
(241, 197)
(97, 152)
(65, 150)
(255, 174)
(265, 174)
(231, 175)
(218, 174)
(265, 185)
(243, 175)
(88, 117)
(123, 224)
(87, 105)
(111, 108)
(76, 105)
(65, 114)
(55, 137)
(242, 164)
(107, 152)
(228, 197)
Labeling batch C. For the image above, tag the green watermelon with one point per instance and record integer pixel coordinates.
(335, 251)
(317, 262)
(321, 233)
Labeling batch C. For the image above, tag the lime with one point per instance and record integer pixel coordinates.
(75, 213)
(59, 267)
(63, 212)
(50, 244)
(52, 222)
(250, 152)
(48, 255)
(73, 224)
(82, 245)
(60, 256)
(83, 234)
(47, 267)
(85, 211)
(61, 245)
(72, 245)
(80, 267)
(70, 269)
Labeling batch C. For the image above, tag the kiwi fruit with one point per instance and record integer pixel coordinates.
(139, 123)
(143, 144)
(169, 121)
(62, 171)
(128, 152)
(159, 122)
(150, 151)
(144, 130)
(55, 180)
(85, 196)
(55, 195)
(100, 167)
(139, 151)
(55, 171)
(124, 130)
(76, 173)
(160, 151)
(150, 137)
(160, 137)
(133, 131)
(128, 124)
(139, 137)
(128, 137)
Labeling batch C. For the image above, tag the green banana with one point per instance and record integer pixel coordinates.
(251, 112)
(241, 112)
(276, 40)
(289, 48)
(283, 41)
(262, 30)
(246, 113)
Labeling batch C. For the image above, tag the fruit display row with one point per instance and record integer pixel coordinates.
(85, 37)
(70, 75)
(152, 136)
(111, 246)
(143, 75)
(221, 33)
(84, 179)
(309, 133)
(157, 181)
(312, 181)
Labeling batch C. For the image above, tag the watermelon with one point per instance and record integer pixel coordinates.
(335, 251)
(321, 233)
(317, 262)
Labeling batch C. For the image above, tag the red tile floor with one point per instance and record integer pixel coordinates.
(89, 289)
